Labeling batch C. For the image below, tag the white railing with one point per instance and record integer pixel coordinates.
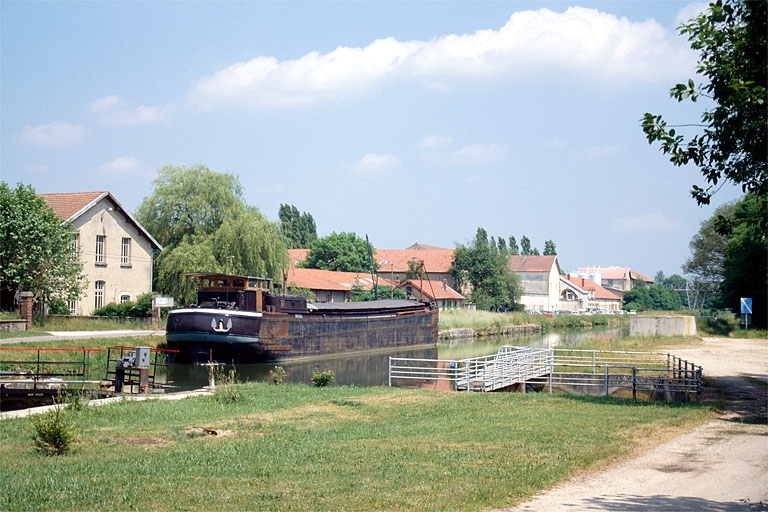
(652, 375)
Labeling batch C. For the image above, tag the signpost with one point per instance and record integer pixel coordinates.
(157, 303)
(746, 311)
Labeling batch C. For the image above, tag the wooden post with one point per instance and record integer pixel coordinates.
(25, 306)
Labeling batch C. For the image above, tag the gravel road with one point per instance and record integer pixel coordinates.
(719, 466)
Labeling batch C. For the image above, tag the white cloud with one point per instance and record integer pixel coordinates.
(112, 111)
(653, 222)
(690, 11)
(480, 154)
(587, 42)
(372, 164)
(123, 165)
(54, 135)
(435, 142)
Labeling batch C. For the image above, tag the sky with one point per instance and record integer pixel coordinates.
(403, 121)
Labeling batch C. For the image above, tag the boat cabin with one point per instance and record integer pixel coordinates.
(243, 293)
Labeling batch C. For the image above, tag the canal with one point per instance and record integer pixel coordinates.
(372, 369)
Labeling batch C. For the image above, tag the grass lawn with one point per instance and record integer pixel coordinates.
(296, 447)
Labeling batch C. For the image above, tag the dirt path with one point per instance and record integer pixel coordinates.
(720, 466)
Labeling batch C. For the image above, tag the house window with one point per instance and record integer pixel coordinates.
(101, 242)
(125, 252)
(125, 297)
(98, 295)
(75, 244)
(569, 295)
(73, 306)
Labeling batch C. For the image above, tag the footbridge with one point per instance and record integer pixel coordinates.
(651, 376)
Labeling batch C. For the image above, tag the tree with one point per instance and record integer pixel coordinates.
(36, 248)
(525, 246)
(704, 267)
(189, 201)
(514, 250)
(745, 265)
(731, 144)
(484, 267)
(298, 228)
(343, 252)
(549, 248)
(655, 297)
(200, 218)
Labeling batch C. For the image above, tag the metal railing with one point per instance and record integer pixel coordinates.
(652, 376)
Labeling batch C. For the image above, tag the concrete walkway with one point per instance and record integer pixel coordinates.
(74, 335)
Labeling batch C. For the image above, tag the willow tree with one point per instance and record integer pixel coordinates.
(199, 216)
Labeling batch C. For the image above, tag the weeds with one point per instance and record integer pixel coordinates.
(321, 379)
(54, 432)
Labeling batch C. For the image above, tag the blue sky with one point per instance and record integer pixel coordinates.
(403, 121)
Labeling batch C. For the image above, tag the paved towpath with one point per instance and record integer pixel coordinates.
(721, 466)
(74, 335)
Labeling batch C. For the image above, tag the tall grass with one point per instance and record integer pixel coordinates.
(475, 319)
(297, 447)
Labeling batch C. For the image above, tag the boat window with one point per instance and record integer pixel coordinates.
(238, 283)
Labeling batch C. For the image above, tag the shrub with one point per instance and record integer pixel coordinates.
(321, 379)
(53, 432)
(277, 374)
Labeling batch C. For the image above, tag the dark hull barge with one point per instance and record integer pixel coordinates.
(237, 320)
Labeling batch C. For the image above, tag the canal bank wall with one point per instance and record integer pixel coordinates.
(509, 330)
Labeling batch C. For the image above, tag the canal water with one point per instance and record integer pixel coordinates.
(372, 369)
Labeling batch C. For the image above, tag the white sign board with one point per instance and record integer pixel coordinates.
(162, 302)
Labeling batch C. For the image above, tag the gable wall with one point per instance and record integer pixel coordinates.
(134, 279)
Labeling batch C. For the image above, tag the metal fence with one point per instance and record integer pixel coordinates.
(646, 375)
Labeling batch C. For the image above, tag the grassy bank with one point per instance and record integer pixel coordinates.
(296, 447)
(463, 318)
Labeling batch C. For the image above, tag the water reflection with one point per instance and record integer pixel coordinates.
(372, 369)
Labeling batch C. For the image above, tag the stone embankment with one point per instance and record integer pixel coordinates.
(509, 330)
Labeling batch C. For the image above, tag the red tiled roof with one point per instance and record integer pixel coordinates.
(315, 279)
(532, 263)
(70, 205)
(433, 289)
(435, 260)
(589, 285)
(67, 205)
(297, 255)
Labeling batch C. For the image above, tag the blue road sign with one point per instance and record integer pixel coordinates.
(746, 306)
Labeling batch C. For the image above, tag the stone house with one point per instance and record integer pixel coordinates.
(580, 293)
(540, 280)
(116, 251)
(617, 279)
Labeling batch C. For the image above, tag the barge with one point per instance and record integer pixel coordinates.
(238, 320)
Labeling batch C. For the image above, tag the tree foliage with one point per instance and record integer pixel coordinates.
(549, 248)
(484, 267)
(200, 218)
(36, 248)
(745, 263)
(655, 297)
(730, 145)
(704, 268)
(342, 252)
(298, 228)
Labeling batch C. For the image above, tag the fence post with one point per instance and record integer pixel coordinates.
(389, 376)
(606, 380)
(634, 383)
